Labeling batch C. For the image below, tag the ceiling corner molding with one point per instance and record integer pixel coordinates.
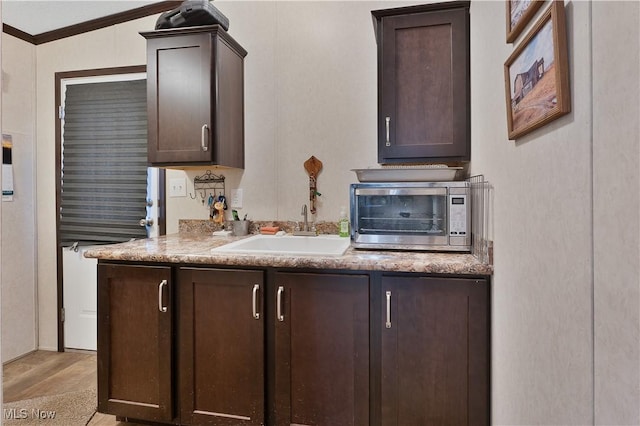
(94, 24)
(8, 29)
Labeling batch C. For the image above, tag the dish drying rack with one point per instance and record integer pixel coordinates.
(482, 218)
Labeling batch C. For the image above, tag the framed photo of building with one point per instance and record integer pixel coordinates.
(537, 76)
(519, 13)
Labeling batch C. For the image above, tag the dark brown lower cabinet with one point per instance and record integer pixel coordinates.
(135, 367)
(321, 349)
(248, 347)
(434, 351)
(221, 347)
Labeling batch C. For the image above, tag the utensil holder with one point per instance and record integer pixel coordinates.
(240, 227)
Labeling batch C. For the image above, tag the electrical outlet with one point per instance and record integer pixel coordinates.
(177, 187)
(236, 198)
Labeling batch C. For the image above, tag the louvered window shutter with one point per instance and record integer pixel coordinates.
(104, 162)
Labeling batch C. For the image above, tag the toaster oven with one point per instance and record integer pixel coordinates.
(411, 216)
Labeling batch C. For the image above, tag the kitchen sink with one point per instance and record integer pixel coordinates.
(322, 245)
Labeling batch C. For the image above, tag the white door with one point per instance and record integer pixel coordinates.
(80, 274)
(153, 230)
(80, 299)
(80, 281)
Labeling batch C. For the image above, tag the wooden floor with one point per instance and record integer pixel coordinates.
(44, 373)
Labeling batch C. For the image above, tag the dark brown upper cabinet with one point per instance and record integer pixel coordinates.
(423, 83)
(195, 97)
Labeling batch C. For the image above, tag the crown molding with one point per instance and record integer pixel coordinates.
(94, 24)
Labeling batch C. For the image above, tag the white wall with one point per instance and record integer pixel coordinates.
(566, 226)
(566, 266)
(19, 310)
(542, 293)
(616, 212)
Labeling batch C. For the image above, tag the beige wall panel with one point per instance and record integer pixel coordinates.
(327, 100)
(19, 310)
(616, 215)
(541, 337)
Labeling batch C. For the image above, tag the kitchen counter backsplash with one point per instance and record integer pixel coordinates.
(208, 226)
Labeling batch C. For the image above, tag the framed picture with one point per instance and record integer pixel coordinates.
(537, 76)
(519, 13)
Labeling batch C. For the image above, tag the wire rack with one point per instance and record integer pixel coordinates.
(481, 219)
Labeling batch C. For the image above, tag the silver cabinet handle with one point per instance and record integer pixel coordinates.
(387, 121)
(205, 138)
(254, 302)
(388, 309)
(279, 304)
(161, 287)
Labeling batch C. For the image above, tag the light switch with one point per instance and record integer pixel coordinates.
(177, 187)
(236, 198)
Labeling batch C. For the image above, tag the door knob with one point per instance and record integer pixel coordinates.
(146, 222)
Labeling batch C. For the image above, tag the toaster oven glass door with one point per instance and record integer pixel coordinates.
(402, 215)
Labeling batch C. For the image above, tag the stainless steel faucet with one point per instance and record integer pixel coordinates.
(305, 225)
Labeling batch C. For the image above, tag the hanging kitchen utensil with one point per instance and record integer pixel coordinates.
(212, 211)
(313, 166)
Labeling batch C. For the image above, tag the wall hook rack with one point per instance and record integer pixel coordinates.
(208, 182)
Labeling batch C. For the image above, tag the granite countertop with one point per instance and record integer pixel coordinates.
(195, 248)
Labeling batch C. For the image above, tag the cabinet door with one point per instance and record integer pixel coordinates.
(424, 111)
(321, 349)
(135, 368)
(435, 357)
(221, 347)
(179, 95)
(195, 97)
